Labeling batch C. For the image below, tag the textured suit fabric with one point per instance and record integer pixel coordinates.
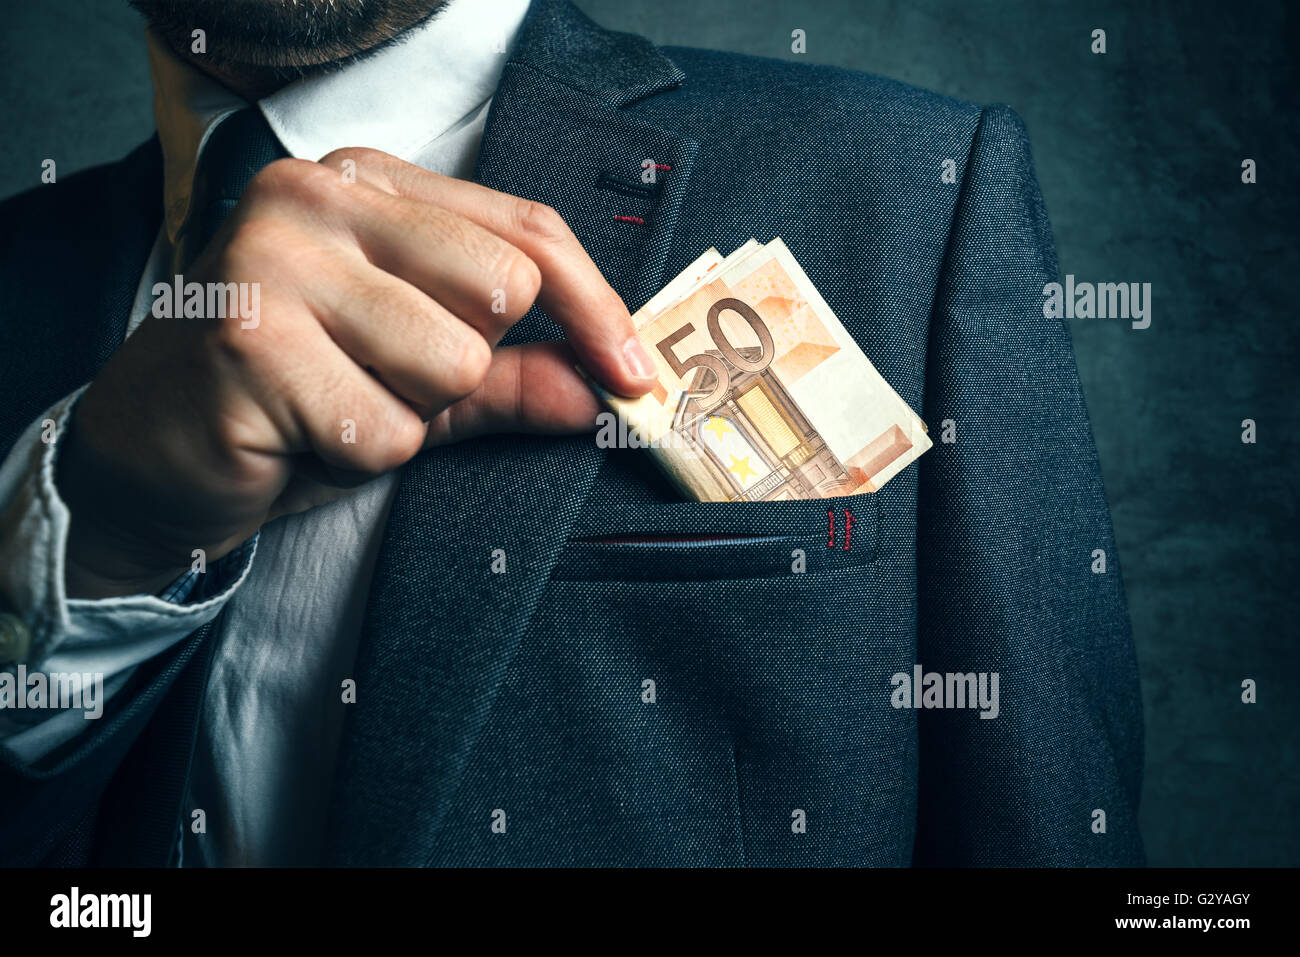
(521, 697)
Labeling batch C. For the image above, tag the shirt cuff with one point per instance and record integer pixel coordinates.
(105, 638)
(196, 587)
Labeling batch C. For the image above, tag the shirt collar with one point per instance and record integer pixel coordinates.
(398, 100)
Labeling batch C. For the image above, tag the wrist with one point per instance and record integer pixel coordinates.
(92, 570)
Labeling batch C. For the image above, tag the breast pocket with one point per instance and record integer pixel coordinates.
(703, 541)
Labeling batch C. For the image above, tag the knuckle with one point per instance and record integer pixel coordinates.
(243, 350)
(405, 440)
(375, 168)
(279, 174)
(358, 154)
(398, 440)
(382, 436)
(293, 179)
(230, 345)
(520, 283)
(467, 372)
(540, 221)
(226, 432)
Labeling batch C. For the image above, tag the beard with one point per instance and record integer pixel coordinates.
(284, 38)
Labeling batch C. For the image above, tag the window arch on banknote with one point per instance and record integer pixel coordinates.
(757, 445)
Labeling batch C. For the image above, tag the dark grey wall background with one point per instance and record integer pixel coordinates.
(1139, 154)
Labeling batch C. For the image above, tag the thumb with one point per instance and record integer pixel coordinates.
(528, 388)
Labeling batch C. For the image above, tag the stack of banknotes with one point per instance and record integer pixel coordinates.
(762, 394)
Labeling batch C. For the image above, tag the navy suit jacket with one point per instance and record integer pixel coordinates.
(485, 696)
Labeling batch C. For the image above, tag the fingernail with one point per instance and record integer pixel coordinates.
(638, 360)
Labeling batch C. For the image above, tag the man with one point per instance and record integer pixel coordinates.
(505, 644)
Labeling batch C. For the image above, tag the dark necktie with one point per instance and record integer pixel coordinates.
(236, 150)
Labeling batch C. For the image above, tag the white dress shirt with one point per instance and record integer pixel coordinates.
(270, 726)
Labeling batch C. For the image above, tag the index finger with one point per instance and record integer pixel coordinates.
(573, 291)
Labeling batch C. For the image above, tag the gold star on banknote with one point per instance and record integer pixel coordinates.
(741, 468)
(718, 426)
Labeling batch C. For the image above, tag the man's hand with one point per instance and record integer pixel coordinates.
(377, 308)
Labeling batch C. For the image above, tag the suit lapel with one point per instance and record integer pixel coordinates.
(440, 627)
(78, 250)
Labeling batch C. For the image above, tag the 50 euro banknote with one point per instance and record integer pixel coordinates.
(762, 394)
